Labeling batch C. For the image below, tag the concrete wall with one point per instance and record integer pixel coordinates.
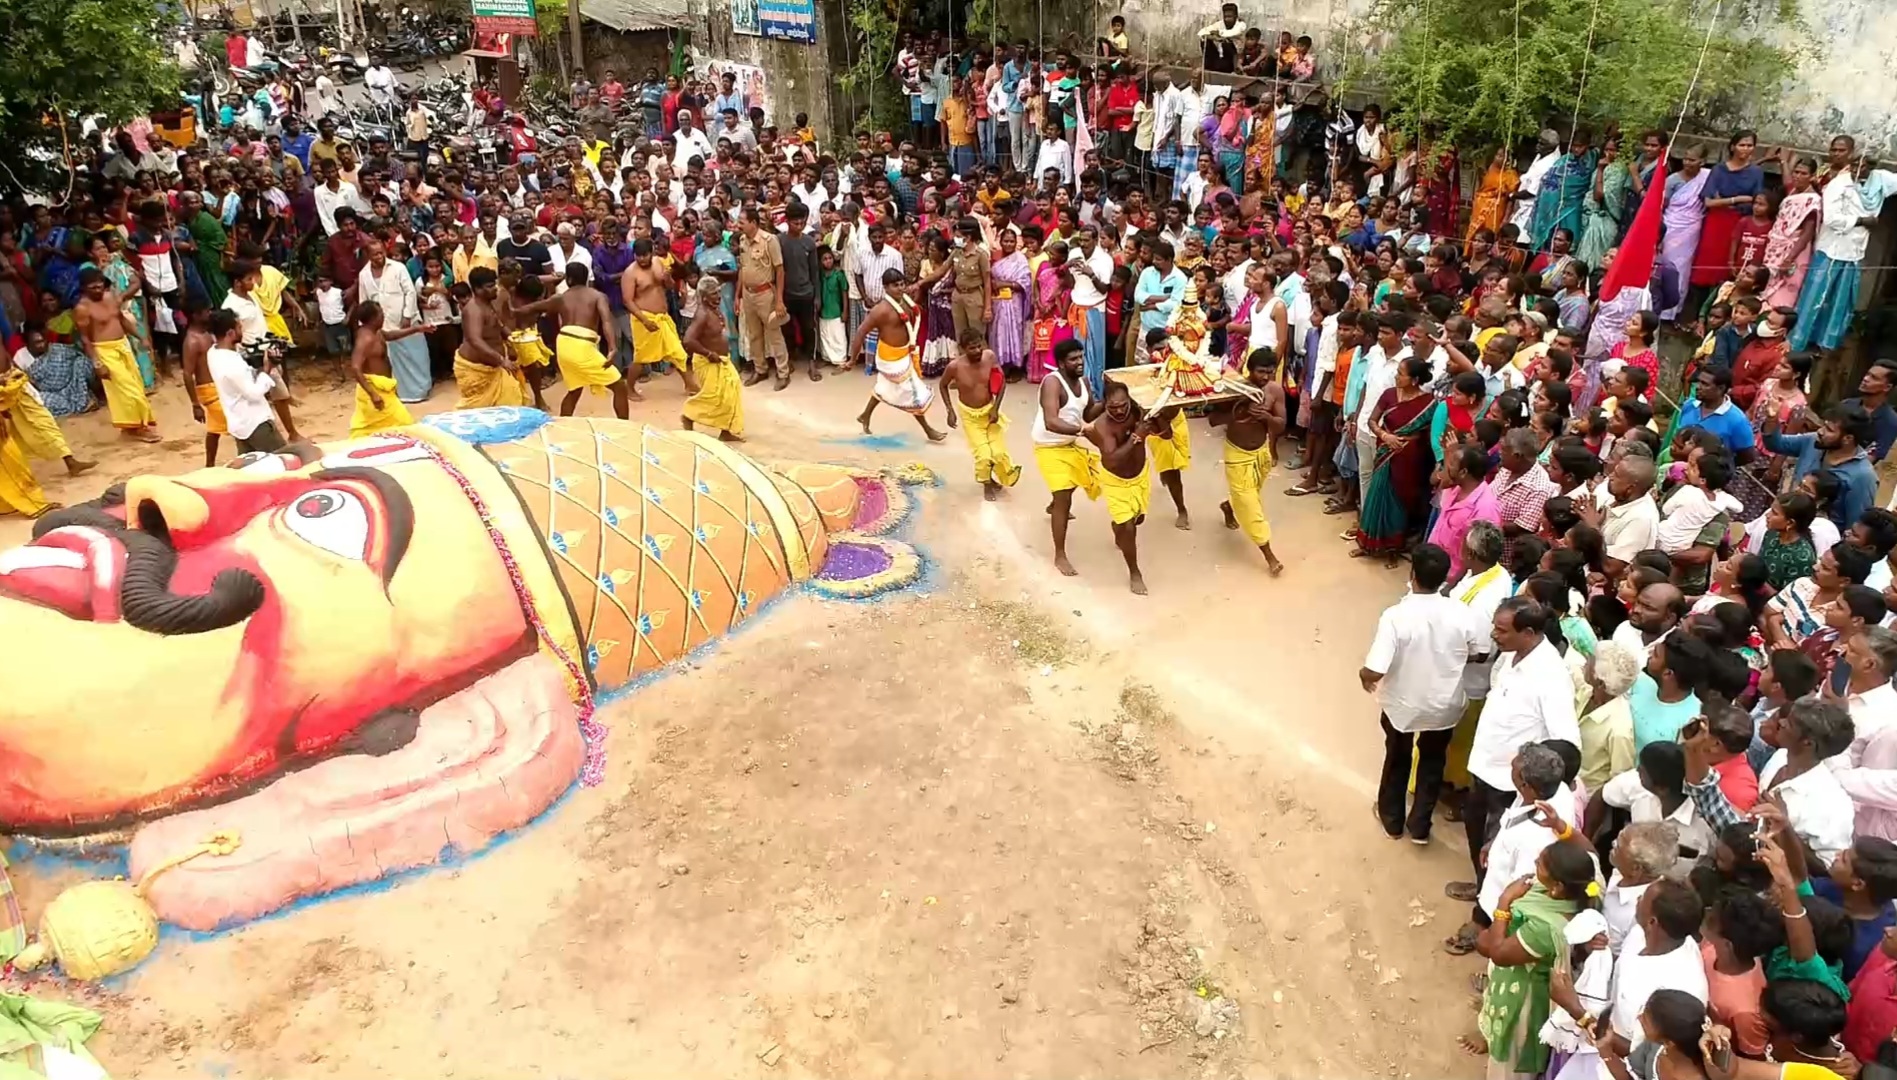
(1851, 89)
(799, 75)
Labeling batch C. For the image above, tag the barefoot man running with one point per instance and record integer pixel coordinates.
(1119, 429)
(976, 379)
(103, 326)
(898, 375)
(1249, 428)
(586, 321)
(1064, 464)
(719, 400)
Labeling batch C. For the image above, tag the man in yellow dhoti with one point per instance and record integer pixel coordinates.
(1126, 479)
(19, 492)
(484, 369)
(377, 407)
(655, 337)
(1171, 453)
(1250, 426)
(976, 381)
(103, 325)
(1064, 464)
(32, 423)
(586, 321)
(719, 402)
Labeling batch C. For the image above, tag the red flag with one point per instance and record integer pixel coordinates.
(1633, 266)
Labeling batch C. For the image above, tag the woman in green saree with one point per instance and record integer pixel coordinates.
(1606, 202)
(1522, 944)
(212, 244)
(1396, 500)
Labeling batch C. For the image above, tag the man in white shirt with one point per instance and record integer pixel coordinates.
(1838, 249)
(1630, 518)
(327, 101)
(688, 143)
(1530, 699)
(242, 390)
(1817, 807)
(332, 193)
(1414, 666)
(1524, 829)
(1663, 766)
(1380, 362)
(1659, 953)
(1642, 855)
(567, 251)
(1547, 152)
(1092, 269)
(380, 82)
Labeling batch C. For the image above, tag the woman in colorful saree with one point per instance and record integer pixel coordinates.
(1494, 195)
(1606, 201)
(1788, 246)
(1684, 214)
(1396, 499)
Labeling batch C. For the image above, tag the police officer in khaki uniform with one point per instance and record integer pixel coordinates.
(761, 314)
(972, 305)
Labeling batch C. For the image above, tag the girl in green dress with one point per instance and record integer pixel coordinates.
(1522, 944)
(1786, 546)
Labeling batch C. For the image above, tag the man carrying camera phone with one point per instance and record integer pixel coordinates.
(243, 389)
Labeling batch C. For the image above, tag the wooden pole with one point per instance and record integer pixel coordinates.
(573, 21)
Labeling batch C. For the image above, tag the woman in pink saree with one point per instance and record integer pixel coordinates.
(1053, 298)
(1685, 213)
(1788, 245)
(1012, 280)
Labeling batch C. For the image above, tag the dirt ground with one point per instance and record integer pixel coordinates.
(1004, 824)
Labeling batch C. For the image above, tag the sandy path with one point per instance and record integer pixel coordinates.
(1008, 824)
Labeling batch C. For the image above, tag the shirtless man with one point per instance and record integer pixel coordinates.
(377, 407)
(1250, 427)
(976, 378)
(104, 328)
(717, 390)
(898, 380)
(484, 327)
(586, 323)
(654, 335)
(1119, 428)
(206, 408)
(520, 300)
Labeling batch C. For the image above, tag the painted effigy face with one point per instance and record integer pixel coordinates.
(196, 636)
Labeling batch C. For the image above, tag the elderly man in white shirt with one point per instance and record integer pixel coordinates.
(1630, 517)
(1525, 829)
(1642, 855)
(1414, 666)
(1531, 699)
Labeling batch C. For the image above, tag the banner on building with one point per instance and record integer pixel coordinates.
(788, 20)
(505, 17)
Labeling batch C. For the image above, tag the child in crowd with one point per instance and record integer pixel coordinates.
(329, 305)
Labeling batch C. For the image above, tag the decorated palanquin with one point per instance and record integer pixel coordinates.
(1187, 368)
(351, 660)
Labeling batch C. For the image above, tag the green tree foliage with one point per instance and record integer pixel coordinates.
(1460, 65)
(873, 91)
(72, 59)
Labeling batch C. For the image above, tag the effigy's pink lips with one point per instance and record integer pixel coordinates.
(74, 570)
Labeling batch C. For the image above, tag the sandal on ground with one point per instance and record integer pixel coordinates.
(1462, 943)
(1465, 891)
